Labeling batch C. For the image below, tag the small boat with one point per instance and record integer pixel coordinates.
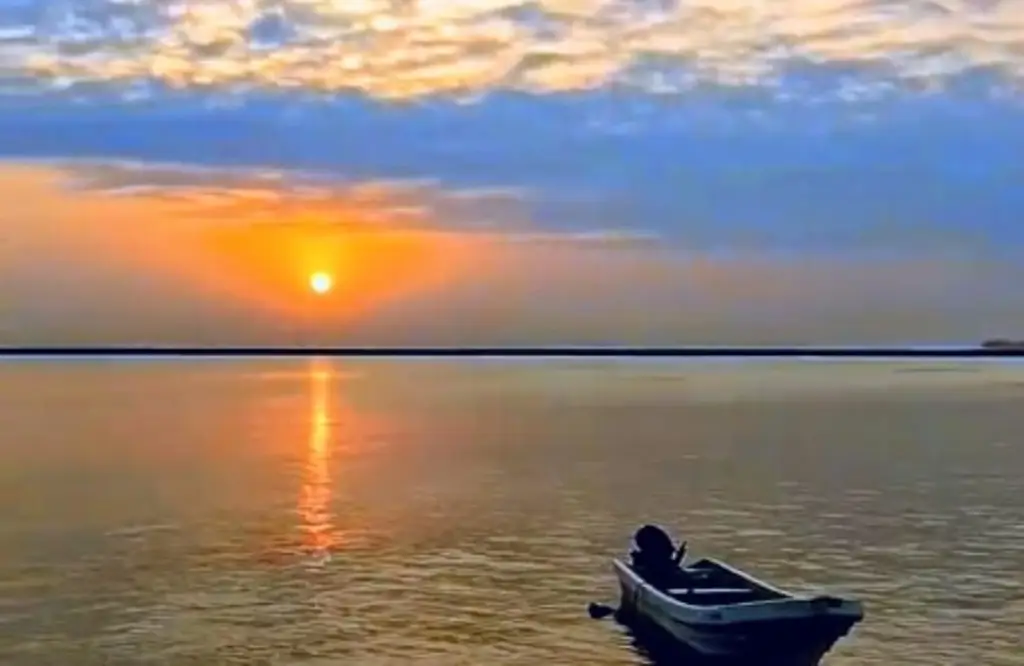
(721, 612)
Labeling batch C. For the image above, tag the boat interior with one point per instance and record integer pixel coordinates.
(706, 584)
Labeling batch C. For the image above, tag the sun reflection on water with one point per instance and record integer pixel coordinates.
(315, 499)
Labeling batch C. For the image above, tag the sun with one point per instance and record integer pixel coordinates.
(321, 282)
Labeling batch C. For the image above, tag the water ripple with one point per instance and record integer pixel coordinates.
(485, 549)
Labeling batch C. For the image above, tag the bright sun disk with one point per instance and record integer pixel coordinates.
(320, 282)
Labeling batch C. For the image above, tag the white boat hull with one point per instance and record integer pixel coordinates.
(788, 628)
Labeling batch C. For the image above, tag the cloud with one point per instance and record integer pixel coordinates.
(416, 48)
(327, 201)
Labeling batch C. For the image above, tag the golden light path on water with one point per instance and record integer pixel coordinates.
(401, 49)
(315, 499)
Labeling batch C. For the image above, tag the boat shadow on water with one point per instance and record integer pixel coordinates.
(655, 647)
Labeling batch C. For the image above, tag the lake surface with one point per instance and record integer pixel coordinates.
(424, 512)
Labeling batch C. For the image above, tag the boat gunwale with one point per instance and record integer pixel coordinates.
(717, 615)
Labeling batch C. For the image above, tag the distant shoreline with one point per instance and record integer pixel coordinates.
(983, 351)
(1003, 344)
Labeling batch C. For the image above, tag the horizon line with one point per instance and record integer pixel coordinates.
(582, 351)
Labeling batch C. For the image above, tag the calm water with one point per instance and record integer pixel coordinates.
(464, 513)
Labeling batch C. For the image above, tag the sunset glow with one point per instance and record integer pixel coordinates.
(181, 257)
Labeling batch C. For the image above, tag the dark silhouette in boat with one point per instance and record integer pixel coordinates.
(657, 559)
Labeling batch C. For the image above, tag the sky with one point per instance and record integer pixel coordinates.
(478, 172)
